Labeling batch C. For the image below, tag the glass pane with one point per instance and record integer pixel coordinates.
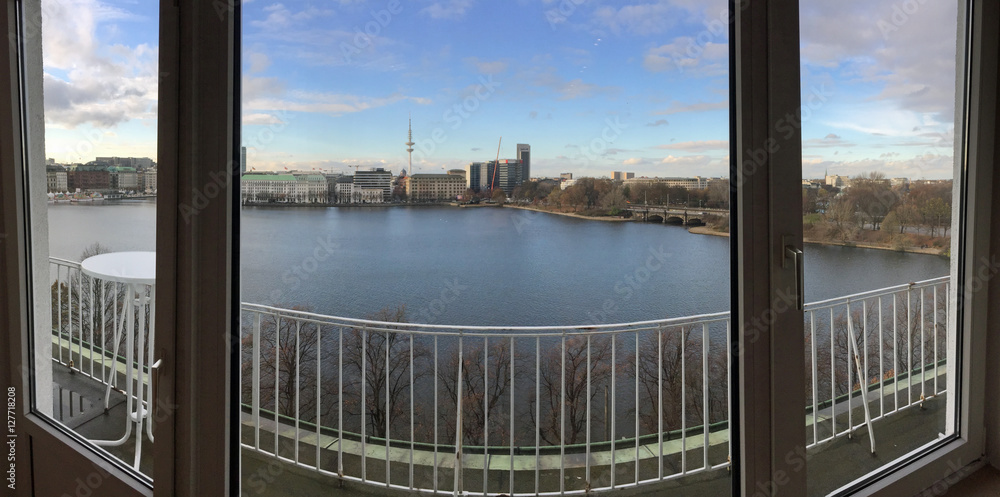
(878, 127)
(92, 193)
(430, 306)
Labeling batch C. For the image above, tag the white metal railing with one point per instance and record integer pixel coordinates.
(89, 320)
(540, 410)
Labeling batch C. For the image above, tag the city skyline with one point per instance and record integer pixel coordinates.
(593, 86)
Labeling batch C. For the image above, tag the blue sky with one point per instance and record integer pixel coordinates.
(592, 85)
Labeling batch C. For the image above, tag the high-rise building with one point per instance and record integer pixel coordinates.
(524, 155)
(375, 179)
(565, 175)
(476, 176)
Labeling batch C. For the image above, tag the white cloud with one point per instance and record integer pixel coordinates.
(261, 118)
(643, 19)
(486, 66)
(280, 17)
(87, 81)
(906, 60)
(680, 107)
(929, 166)
(685, 54)
(448, 9)
(325, 103)
(258, 62)
(697, 146)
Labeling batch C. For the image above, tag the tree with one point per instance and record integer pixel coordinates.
(574, 411)
(613, 199)
(485, 387)
(843, 218)
(498, 196)
(288, 351)
(718, 193)
(937, 213)
(873, 197)
(377, 361)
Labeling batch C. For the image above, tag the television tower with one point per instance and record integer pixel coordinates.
(409, 147)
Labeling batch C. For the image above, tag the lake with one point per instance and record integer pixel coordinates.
(482, 266)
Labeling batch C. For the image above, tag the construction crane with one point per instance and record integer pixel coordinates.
(496, 166)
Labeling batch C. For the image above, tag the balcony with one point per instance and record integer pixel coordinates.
(389, 406)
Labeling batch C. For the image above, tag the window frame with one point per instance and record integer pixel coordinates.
(760, 68)
(198, 136)
(196, 126)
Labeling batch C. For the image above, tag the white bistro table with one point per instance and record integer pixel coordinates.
(137, 272)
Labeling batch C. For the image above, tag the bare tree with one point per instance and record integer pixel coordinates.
(377, 362)
(551, 374)
(485, 391)
(289, 349)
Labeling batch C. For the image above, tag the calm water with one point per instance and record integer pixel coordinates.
(483, 266)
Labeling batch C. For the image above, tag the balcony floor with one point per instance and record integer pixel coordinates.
(93, 423)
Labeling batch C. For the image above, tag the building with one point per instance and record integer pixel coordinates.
(375, 179)
(621, 176)
(91, 176)
(316, 189)
(135, 162)
(524, 155)
(123, 178)
(456, 172)
(838, 181)
(270, 188)
(695, 183)
(344, 189)
(435, 186)
(331, 185)
(149, 180)
(243, 160)
(476, 177)
(566, 184)
(56, 179)
(565, 175)
(285, 188)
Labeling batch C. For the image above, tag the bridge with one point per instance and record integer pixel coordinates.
(674, 215)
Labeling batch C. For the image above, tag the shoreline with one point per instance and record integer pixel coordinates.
(570, 214)
(705, 230)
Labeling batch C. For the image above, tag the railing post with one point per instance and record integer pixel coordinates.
(255, 393)
(457, 488)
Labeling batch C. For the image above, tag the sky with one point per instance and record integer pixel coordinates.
(593, 86)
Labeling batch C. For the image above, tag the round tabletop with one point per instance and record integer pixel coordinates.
(123, 267)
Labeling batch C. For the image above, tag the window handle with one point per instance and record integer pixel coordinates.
(795, 254)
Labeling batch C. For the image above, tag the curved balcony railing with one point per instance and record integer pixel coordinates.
(543, 410)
